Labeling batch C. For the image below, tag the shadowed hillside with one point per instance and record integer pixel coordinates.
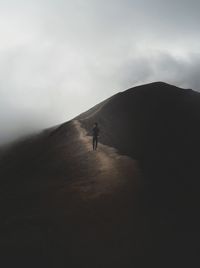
(133, 202)
(159, 124)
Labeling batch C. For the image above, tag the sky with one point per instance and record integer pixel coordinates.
(59, 58)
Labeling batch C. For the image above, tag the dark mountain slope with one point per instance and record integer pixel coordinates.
(157, 124)
(63, 205)
(131, 119)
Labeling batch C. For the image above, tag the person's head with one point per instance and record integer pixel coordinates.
(96, 124)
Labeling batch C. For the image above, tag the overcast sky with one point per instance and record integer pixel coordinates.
(60, 57)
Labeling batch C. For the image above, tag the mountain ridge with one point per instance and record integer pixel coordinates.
(53, 182)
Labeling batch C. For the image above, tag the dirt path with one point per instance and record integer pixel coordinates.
(111, 169)
(82, 209)
(95, 217)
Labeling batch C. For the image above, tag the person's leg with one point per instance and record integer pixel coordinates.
(93, 142)
(96, 142)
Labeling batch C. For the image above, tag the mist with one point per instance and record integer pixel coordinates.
(60, 58)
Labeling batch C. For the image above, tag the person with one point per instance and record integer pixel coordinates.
(95, 132)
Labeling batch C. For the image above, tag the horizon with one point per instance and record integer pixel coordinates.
(38, 131)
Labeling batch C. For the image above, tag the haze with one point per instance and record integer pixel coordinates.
(59, 58)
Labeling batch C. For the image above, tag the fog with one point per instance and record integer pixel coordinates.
(59, 58)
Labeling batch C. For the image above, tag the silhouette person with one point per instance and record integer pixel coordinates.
(95, 132)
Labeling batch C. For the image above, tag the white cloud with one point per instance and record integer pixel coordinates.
(59, 58)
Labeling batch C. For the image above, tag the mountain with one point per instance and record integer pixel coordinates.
(133, 202)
